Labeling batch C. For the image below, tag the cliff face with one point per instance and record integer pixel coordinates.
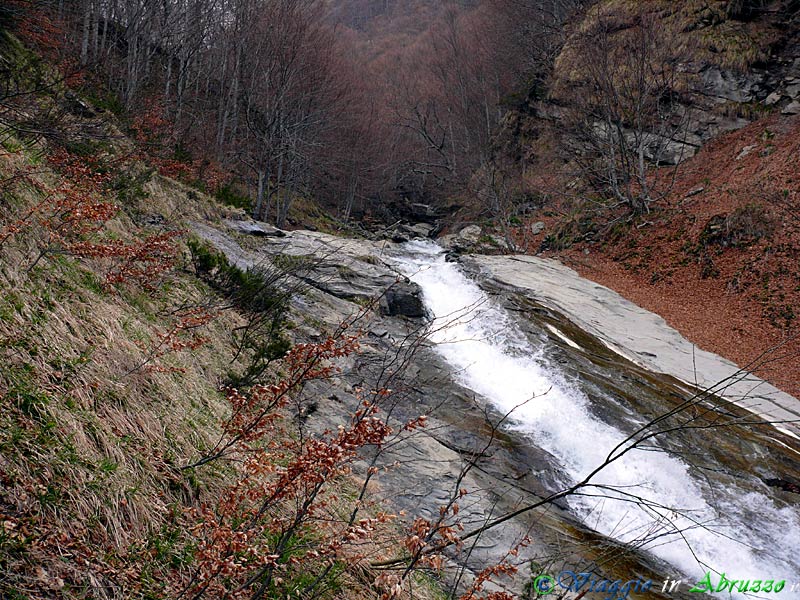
(730, 65)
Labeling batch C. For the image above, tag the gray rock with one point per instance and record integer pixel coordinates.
(773, 98)
(447, 241)
(403, 299)
(728, 86)
(346, 268)
(794, 71)
(465, 240)
(792, 109)
(421, 230)
(793, 91)
(658, 148)
(745, 151)
(537, 228)
(708, 124)
(405, 233)
(470, 234)
(255, 228)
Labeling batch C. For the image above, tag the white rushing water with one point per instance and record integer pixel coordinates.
(740, 533)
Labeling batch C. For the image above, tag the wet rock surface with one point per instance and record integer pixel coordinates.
(422, 469)
(639, 335)
(403, 299)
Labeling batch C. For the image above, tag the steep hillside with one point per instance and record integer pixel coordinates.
(659, 158)
(720, 259)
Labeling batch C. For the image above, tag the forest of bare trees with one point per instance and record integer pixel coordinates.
(359, 106)
(353, 106)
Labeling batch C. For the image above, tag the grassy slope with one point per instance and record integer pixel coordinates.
(89, 449)
(702, 28)
(92, 497)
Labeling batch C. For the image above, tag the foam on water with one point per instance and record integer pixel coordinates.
(743, 534)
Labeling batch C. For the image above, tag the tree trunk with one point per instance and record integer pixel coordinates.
(85, 30)
(259, 196)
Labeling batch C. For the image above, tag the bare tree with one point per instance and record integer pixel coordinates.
(622, 106)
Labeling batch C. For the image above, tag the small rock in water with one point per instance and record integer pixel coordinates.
(403, 299)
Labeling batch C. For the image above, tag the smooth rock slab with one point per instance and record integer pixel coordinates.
(638, 334)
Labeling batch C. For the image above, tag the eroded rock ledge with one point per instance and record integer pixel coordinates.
(635, 333)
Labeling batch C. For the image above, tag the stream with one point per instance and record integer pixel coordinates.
(578, 370)
(650, 496)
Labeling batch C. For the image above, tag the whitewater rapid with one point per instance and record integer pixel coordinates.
(740, 533)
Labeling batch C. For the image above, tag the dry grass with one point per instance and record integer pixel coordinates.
(90, 451)
(93, 499)
(700, 29)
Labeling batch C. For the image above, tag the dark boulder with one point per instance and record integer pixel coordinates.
(255, 228)
(403, 299)
(782, 484)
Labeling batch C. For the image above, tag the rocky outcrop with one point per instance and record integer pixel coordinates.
(472, 238)
(726, 86)
(718, 92)
(714, 100)
(405, 232)
(403, 299)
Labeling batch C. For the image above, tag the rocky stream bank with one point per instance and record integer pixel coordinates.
(629, 363)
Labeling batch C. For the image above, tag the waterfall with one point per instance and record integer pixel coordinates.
(741, 533)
